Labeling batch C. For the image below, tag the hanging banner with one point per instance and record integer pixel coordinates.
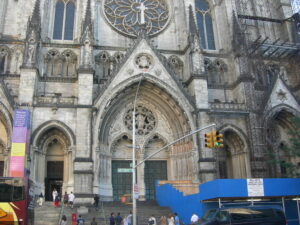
(19, 146)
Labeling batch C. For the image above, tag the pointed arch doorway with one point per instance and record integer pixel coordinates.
(53, 162)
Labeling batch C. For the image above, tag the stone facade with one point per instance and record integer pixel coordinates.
(81, 92)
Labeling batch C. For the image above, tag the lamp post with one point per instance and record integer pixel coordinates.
(133, 155)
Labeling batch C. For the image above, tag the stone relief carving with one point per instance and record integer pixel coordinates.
(145, 120)
(144, 61)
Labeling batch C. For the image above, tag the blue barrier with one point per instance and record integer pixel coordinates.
(167, 195)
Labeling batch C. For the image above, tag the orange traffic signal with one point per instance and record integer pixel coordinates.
(209, 139)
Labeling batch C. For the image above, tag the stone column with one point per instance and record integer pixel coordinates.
(83, 163)
(105, 181)
(141, 178)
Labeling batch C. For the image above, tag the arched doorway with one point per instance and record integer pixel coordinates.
(159, 120)
(277, 139)
(233, 158)
(53, 161)
(5, 137)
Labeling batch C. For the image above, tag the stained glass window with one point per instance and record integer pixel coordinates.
(127, 16)
(64, 20)
(205, 25)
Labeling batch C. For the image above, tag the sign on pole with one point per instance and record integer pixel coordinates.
(255, 187)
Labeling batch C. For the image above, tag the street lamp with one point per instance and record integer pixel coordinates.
(133, 155)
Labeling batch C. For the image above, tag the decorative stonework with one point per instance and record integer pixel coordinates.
(145, 121)
(144, 61)
(127, 16)
(281, 95)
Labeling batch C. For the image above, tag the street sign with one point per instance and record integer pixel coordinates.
(124, 170)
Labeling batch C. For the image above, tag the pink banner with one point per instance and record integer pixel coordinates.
(16, 166)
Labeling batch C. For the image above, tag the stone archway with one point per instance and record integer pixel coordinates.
(159, 120)
(233, 159)
(5, 140)
(52, 159)
(276, 137)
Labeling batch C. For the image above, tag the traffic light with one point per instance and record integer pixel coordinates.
(218, 140)
(209, 139)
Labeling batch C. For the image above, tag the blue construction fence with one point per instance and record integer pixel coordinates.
(185, 206)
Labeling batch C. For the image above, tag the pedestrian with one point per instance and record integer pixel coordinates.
(171, 219)
(41, 199)
(56, 202)
(80, 220)
(94, 221)
(163, 220)
(71, 199)
(63, 220)
(118, 219)
(129, 218)
(66, 198)
(152, 220)
(194, 218)
(54, 194)
(96, 201)
(112, 219)
(176, 219)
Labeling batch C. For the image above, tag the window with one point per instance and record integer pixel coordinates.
(64, 20)
(205, 25)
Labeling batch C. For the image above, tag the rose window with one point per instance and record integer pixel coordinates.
(145, 121)
(127, 16)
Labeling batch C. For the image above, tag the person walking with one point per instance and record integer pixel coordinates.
(152, 220)
(66, 198)
(41, 199)
(194, 218)
(56, 202)
(129, 218)
(63, 220)
(96, 201)
(94, 221)
(176, 219)
(54, 194)
(171, 219)
(112, 219)
(118, 219)
(80, 220)
(71, 199)
(163, 220)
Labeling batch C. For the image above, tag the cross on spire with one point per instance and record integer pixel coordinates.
(142, 7)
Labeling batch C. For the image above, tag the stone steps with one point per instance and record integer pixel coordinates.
(48, 214)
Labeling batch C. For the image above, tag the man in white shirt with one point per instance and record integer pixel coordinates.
(71, 199)
(194, 218)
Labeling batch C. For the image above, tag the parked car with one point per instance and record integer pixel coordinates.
(251, 215)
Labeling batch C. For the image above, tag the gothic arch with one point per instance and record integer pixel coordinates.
(6, 118)
(276, 126)
(233, 159)
(177, 64)
(38, 132)
(5, 59)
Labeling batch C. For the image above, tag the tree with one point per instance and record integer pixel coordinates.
(292, 150)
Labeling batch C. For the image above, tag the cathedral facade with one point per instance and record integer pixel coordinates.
(81, 67)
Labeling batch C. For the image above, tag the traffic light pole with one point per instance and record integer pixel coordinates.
(174, 142)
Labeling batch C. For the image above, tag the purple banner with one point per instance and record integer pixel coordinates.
(21, 118)
(19, 135)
